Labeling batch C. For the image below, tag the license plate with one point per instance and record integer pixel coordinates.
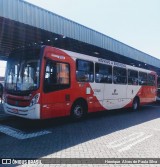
(15, 110)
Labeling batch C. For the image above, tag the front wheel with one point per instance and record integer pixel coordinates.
(135, 104)
(78, 110)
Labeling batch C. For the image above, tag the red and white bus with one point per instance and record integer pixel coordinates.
(48, 82)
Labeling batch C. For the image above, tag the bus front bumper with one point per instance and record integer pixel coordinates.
(30, 112)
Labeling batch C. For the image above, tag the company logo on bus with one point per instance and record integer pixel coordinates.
(115, 92)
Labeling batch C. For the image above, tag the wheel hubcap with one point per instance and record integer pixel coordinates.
(78, 111)
(135, 105)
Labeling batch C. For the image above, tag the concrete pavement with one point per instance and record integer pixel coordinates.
(3, 115)
(117, 134)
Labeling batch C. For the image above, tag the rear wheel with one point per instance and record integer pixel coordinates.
(78, 110)
(135, 104)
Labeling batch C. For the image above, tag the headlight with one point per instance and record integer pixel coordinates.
(35, 99)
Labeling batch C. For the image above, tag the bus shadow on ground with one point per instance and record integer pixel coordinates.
(67, 133)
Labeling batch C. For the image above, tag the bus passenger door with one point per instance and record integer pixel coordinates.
(55, 89)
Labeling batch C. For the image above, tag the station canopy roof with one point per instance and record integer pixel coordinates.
(23, 25)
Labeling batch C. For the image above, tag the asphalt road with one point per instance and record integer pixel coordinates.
(115, 134)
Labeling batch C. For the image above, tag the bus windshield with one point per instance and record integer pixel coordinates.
(23, 71)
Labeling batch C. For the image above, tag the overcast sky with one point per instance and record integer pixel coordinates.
(133, 22)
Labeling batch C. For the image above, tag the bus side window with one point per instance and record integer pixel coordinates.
(119, 75)
(132, 77)
(103, 73)
(142, 78)
(151, 80)
(84, 71)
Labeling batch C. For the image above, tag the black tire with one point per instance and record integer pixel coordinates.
(78, 110)
(135, 104)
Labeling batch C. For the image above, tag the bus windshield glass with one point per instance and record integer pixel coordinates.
(23, 70)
